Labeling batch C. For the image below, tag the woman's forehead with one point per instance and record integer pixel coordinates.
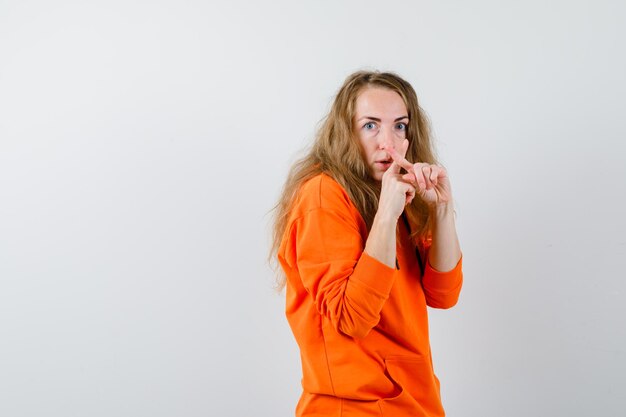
(379, 102)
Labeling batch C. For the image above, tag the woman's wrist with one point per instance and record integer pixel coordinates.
(383, 220)
(441, 211)
(381, 242)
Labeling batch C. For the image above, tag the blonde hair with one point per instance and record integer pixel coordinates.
(337, 153)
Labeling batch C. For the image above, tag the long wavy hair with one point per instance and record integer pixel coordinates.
(337, 153)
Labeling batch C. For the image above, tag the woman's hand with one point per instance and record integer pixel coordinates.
(396, 191)
(431, 181)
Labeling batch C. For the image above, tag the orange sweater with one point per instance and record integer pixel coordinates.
(361, 326)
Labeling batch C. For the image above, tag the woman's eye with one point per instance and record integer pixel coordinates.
(401, 126)
(369, 126)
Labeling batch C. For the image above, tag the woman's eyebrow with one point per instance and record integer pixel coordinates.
(376, 119)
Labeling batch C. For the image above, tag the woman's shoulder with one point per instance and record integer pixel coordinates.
(322, 192)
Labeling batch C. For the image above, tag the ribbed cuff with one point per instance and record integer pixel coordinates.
(373, 274)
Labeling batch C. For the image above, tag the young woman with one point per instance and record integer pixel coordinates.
(365, 235)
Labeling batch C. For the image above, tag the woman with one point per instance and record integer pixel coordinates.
(363, 237)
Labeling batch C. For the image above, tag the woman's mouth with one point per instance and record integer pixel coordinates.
(382, 165)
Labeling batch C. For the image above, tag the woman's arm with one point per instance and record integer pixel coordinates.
(433, 186)
(445, 251)
(395, 194)
(381, 241)
(443, 271)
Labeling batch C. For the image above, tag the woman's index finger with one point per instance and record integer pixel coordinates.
(399, 159)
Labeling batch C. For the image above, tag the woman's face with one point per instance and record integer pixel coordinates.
(380, 122)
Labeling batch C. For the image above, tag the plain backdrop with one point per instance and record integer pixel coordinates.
(144, 143)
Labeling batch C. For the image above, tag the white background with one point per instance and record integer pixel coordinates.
(142, 145)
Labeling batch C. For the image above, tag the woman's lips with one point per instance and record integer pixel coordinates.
(382, 165)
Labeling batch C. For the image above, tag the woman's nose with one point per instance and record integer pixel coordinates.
(385, 139)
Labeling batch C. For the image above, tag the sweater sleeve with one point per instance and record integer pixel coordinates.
(442, 289)
(349, 288)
